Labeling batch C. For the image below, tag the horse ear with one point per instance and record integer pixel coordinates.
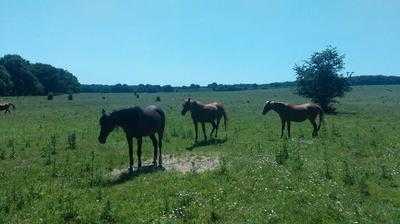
(188, 99)
(267, 102)
(103, 112)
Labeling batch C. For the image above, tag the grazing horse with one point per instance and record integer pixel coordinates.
(136, 123)
(211, 113)
(297, 113)
(6, 107)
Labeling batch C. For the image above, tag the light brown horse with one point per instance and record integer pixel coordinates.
(297, 113)
(6, 107)
(210, 113)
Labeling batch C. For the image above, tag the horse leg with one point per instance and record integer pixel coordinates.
(283, 127)
(196, 130)
(216, 131)
(288, 129)
(139, 151)
(154, 140)
(214, 127)
(129, 139)
(160, 137)
(203, 126)
(314, 124)
(320, 122)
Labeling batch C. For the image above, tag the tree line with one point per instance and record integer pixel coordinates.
(20, 77)
(124, 88)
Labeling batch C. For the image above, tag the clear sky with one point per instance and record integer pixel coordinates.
(183, 42)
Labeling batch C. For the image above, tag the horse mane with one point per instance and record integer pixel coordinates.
(198, 102)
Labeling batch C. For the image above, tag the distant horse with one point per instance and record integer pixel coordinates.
(136, 123)
(297, 113)
(6, 107)
(211, 113)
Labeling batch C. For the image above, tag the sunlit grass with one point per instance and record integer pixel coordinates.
(52, 169)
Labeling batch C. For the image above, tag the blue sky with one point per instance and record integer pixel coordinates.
(184, 42)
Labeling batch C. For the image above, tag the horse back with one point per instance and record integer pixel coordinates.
(139, 122)
(154, 118)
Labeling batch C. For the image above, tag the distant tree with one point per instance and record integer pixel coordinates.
(319, 78)
(194, 86)
(19, 77)
(25, 83)
(168, 88)
(6, 84)
(54, 79)
(212, 86)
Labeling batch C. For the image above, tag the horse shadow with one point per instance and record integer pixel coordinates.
(122, 176)
(213, 141)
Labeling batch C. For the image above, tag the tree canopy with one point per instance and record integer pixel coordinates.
(19, 77)
(319, 78)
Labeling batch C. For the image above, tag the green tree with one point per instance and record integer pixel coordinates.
(25, 83)
(19, 77)
(54, 79)
(6, 84)
(319, 78)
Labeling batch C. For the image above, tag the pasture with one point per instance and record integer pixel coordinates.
(53, 170)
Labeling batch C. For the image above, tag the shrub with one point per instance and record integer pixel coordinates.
(50, 96)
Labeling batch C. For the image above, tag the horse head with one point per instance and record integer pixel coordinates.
(187, 105)
(107, 125)
(268, 106)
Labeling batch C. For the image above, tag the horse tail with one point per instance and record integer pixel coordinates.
(12, 105)
(162, 115)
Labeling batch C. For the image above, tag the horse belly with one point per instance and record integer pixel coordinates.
(299, 116)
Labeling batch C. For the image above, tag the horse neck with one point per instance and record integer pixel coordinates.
(196, 107)
(279, 108)
(115, 118)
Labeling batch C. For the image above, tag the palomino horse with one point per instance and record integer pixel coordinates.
(211, 113)
(6, 107)
(136, 123)
(297, 113)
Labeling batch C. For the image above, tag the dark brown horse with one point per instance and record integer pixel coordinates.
(136, 123)
(6, 107)
(297, 113)
(210, 113)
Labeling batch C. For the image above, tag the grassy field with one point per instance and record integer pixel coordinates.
(53, 170)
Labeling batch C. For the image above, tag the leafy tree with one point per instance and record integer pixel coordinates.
(55, 79)
(25, 83)
(6, 84)
(19, 77)
(319, 78)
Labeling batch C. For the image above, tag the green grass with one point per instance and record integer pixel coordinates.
(350, 174)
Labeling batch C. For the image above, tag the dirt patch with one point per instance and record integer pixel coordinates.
(183, 164)
(195, 164)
